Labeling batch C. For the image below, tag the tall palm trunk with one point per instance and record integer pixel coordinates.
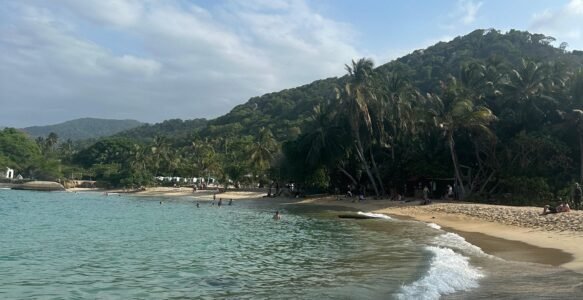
(348, 175)
(456, 168)
(377, 173)
(581, 156)
(360, 152)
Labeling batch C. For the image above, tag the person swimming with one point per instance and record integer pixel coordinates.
(277, 216)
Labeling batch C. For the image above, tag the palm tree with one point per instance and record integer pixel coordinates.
(51, 140)
(528, 91)
(575, 117)
(324, 141)
(357, 96)
(461, 113)
(263, 149)
(160, 151)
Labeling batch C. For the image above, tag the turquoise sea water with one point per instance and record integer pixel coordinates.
(89, 246)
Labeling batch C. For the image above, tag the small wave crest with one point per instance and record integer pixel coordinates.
(433, 225)
(455, 241)
(373, 215)
(449, 272)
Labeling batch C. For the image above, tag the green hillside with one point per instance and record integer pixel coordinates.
(176, 128)
(497, 115)
(82, 129)
(286, 112)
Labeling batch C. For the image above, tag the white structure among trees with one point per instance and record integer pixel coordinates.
(9, 173)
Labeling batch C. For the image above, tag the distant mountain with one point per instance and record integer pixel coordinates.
(82, 129)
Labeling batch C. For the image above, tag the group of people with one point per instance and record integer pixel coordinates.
(564, 206)
(219, 204)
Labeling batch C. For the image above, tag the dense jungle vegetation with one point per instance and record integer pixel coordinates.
(498, 114)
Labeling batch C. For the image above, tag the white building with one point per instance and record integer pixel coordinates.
(9, 174)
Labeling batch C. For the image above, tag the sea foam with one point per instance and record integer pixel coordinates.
(455, 241)
(373, 215)
(449, 272)
(433, 225)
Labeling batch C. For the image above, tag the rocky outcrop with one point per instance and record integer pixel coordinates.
(40, 186)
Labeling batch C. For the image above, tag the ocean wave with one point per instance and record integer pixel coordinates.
(449, 272)
(373, 215)
(433, 225)
(453, 240)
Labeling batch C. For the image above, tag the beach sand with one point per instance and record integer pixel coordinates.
(181, 192)
(513, 233)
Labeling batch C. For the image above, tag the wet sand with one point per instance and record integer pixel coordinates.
(512, 233)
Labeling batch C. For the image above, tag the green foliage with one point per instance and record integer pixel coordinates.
(176, 128)
(17, 150)
(501, 113)
(80, 129)
(527, 191)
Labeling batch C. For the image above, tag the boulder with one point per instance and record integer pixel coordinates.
(40, 186)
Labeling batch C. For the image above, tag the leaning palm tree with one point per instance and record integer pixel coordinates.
(356, 97)
(459, 114)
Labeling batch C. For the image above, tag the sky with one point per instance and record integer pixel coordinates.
(152, 60)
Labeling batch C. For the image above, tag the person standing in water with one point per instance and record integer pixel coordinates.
(230, 201)
(197, 205)
(277, 216)
(220, 202)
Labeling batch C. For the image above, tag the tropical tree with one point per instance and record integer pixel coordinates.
(459, 113)
(263, 150)
(356, 97)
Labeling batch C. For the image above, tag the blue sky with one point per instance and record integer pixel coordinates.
(153, 60)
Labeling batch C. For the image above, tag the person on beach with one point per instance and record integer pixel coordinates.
(449, 192)
(563, 207)
(577, 196)
(277, 216)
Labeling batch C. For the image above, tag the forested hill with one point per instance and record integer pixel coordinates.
(176, 128)
(82, 129)
(285, 112)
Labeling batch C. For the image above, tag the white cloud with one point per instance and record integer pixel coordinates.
(469, 10)
(464, 13)
(564, 23)
(183, 60)
(108, 12)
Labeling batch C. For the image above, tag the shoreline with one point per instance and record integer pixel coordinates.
(511, 242)
(175, 192)
(533, 244)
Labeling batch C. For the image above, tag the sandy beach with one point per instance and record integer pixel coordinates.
(513, 233)
(180, 192)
